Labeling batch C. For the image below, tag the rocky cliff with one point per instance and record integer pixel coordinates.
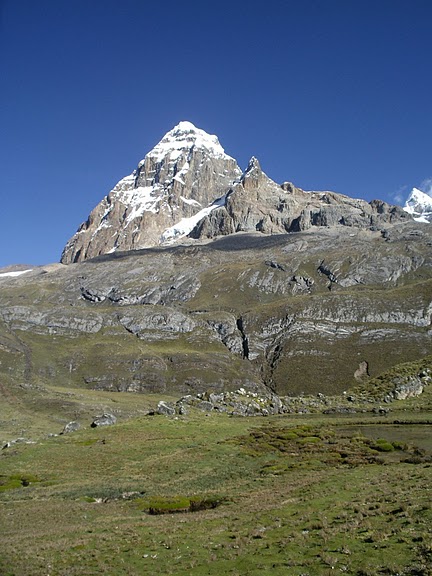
(188, 186)
(257, 204)
(180, 178)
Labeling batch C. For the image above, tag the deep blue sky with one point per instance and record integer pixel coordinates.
(329, 94)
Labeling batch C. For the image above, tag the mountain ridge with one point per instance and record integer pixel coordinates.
(257, 285)
(292, 313)
(188, 186)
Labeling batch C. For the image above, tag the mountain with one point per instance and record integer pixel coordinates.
(187, 186)
(274, 289)
(176, 184)
(419, 205)
(307, 312)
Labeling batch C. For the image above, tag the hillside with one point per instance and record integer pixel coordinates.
(298, 313)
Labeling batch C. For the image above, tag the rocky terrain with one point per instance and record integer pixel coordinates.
(223, 374)
(182, 177)
(191, 277)
(314, 311)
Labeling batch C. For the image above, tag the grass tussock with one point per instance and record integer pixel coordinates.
(157, 505)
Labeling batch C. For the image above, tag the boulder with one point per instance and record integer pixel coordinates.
(205, 406)
(71, 427)
(104, 420)
(165, 409)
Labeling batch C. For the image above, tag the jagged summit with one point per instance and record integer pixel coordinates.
(188, 186)
(419, 205)
(185, 137)
(180, 177)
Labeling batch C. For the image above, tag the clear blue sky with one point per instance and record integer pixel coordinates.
(329, 94)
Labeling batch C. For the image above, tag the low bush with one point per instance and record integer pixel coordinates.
(383, 445)
(175, 504)
(17, 481)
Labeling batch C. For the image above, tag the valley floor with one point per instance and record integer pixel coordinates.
(295, 494)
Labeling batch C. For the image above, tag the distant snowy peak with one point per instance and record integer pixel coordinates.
(183, 137)
(419, 205)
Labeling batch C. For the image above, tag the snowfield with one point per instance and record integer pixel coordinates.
(13, 274)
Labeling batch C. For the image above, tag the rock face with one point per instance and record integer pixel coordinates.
(258, 204)
(180, 178)
(188, 186)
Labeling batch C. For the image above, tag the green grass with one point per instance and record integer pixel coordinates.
(286, 495)
(157, 505)
(17, 481)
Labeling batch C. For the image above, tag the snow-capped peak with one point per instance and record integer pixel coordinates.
(419, 205)
(183, 137)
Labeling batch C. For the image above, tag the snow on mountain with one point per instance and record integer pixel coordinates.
(14, 274)
(419, 205)
(182, 140)
(183, 175)
(183, 137)
(186, 225)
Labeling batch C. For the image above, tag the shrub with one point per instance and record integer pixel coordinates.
(310, 440)
(383, 445)
(171, 505)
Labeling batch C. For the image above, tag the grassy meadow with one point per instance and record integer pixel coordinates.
(207, 494)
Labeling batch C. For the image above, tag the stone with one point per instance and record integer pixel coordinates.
(182, 410)
(274, 264)
(362, 372)
(17, 441)
(216, 398)
(205, 406)
(409, 389)
(165, 408)
(71, 427)
(104, 420)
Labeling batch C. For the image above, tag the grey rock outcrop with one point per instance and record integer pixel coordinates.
(408, 387)
(165, 409)
(258, 204)
(362, 371)
(239, 402)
